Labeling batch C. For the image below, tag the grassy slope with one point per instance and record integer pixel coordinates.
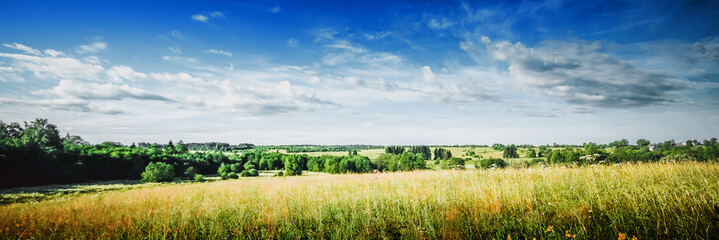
(677, 201)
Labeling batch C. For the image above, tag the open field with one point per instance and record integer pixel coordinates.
(661, 200)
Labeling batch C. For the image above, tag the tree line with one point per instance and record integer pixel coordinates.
(34, 153)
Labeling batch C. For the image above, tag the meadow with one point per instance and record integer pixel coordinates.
(626, 201)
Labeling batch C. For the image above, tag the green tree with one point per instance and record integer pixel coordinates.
(292, 166)
(158, 172)
(642, 142)
(510, 152)
(41, 134)
(170, 149)
(531, 153)
(181, 147)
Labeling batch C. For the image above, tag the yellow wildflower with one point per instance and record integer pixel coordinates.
(550, 229)
(622, 236)
(567, 234)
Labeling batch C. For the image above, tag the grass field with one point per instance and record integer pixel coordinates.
(647, 201)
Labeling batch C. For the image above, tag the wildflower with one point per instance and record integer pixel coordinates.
(634, 237)
(549, 229)
(567, 234)
(622, 236)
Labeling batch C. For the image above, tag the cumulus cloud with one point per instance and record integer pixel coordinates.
(23, 48)
(44, 67)
(219, 52)
(579, 73)
(118, 73)
(427, 75)
(181, 79)
(92, 47)
(275, 99)
(70, 89)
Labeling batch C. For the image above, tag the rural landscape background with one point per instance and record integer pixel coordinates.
(359, 120)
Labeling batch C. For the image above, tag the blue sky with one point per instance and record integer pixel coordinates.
(368, 72)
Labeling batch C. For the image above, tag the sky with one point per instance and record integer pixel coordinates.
(363, 72)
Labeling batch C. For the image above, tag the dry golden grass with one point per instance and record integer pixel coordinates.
(645, 200)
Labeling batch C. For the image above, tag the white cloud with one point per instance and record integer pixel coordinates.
(220, 52)
(439, 23)
(93, 60)
(324, 34)
(427, 75)
(179, 59)
(377, 36)
(181, 79)
(73, 105)
(69, 89)
(578, 73)
(175, 50)
(92, 47)
(53, 53)
(118, 73)
(9, 74)
(54, 67)
(217, 14)
(199, 17)
(23, 48)
(292, 43)
(176, 34)
(347, 53)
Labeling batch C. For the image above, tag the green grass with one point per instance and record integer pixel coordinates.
(647, 201)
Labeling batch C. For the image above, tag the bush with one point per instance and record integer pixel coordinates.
(279, 174)
(199, 178)
(453, 163)
(490, 163)
(190, 172)
(232, 175)
(250, 173)
(158, 172)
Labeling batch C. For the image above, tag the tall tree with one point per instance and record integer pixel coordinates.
(510, 152)
(642, 142)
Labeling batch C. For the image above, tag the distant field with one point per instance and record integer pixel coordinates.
(371, 153)
(647, 201)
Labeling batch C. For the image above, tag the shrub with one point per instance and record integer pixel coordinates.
(279, 174)
(250, 173)
(190, 172)
(158, 172)
(491, 163)
(453, 163)
(232, 175)
(199, 178)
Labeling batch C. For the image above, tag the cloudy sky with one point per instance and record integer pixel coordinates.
(368, 72)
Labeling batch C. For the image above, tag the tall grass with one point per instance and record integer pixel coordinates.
(647, 201)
